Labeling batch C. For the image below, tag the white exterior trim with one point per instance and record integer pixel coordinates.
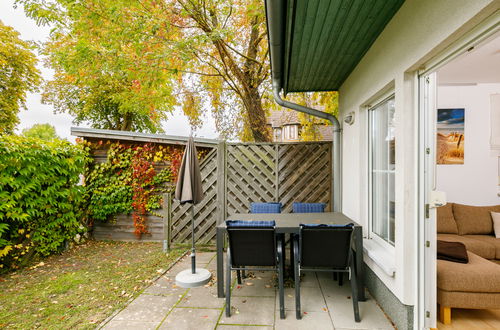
(420, 31)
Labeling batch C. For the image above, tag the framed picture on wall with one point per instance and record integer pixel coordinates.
(450, 136)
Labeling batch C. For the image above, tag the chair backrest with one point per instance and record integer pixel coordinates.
(308, 207)
(325, 246)
(265, 207)
(252, 243)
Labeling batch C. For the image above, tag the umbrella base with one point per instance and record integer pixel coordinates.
(186, 279)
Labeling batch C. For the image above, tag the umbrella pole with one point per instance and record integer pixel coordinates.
(193, 251)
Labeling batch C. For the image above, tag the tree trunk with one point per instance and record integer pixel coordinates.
(256, 115)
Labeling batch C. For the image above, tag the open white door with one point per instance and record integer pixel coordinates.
(427, 226)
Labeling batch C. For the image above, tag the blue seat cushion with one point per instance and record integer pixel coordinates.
(265, 207)
(308, 207)
(253, 224)
(322, 225)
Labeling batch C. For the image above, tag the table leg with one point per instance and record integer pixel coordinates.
(220, 262)
(358, 242)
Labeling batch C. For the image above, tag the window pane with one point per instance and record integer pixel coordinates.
(382, 168)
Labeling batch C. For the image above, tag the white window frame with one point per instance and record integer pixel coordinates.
(386, 245)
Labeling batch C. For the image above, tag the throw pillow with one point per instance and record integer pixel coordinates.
(496, 223)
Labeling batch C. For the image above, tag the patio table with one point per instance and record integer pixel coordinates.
(289, 223)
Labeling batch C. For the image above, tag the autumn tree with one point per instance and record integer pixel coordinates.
(118, 58)
(18, 76)
(45, 132)
(142, 58)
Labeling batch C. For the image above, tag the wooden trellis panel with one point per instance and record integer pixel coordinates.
(233, 176)
(205, 213)
(304, 172)
(277, 173)
(250, 175)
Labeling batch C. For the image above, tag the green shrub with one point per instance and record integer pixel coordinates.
(39, 197)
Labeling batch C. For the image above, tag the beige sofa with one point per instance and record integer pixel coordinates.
(476, 284)
(471, 225)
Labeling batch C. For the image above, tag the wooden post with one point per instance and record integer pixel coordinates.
(445, 314)
(167, 221)
(221, 182)
(276, 173)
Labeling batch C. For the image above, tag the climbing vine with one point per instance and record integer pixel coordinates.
(131, 180)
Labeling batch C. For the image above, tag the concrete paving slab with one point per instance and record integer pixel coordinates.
(311, 300)
(342, 313)
(130, 325)
(203, 257)
(309, 321)
(183, 264)
(165, 286)
(205, 297)
(191, 318)
(250, 311)
(255, 286)
(147, 308)
(308, 280)
(242, 327)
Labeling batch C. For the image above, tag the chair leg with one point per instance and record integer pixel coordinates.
(238, 275)
(341, 279)
(335, 277)
(354, 292)
(228, 284)
(281, 285)
(298, 314)
(243, 274)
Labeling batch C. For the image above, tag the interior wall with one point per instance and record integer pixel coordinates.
(476, 181)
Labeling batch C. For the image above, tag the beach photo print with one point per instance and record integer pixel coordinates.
(450, 136)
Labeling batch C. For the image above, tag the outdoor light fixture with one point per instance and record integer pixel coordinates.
(349, 118)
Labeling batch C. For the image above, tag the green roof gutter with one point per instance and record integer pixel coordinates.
(276, 12)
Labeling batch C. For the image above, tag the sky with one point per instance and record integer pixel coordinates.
(38, 113)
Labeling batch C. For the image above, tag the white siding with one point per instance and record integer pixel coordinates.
(420, 30)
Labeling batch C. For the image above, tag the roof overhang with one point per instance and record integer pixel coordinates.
(315, 44)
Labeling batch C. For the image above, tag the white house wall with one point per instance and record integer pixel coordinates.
(419, 31)
(476, 181)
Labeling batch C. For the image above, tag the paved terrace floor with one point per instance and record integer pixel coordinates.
(255, 305)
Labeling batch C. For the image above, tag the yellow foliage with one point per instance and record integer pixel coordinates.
(5, 251)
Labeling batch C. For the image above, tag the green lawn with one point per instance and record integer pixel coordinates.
(81, 287)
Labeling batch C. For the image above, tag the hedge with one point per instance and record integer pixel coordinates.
(39, 197)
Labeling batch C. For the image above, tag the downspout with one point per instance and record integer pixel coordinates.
(337, 187)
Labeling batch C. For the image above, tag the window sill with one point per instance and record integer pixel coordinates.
(381, 256)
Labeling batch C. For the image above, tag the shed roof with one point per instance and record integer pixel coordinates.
(138, 137)
(315, 44)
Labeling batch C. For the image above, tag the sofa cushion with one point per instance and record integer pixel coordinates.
(474, 219)
(479, 275)
(445, 221)
(481, 248)
(489, 240)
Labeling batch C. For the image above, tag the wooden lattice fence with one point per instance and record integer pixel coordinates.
(237, 174)
(233, 176)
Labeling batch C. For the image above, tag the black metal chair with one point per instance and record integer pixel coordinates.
(325, 248)
(254, 244)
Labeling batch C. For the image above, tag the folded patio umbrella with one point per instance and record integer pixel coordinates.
(189, 190)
